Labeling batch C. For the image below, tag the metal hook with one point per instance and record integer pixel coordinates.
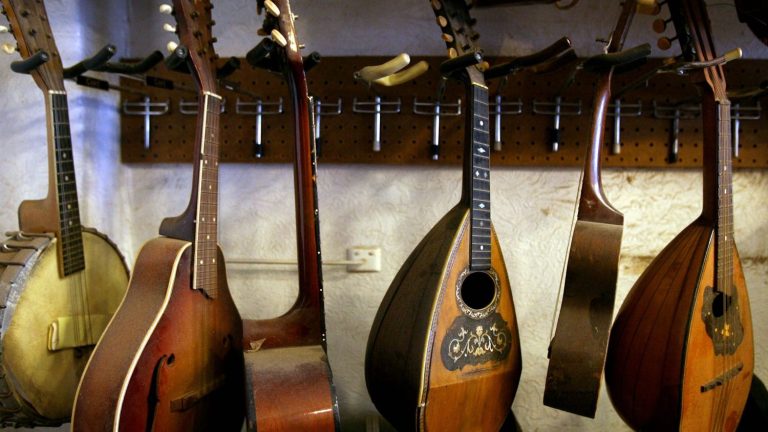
(146, 108)
(259, 112)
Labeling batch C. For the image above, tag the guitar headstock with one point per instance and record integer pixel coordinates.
(278, 23)
(32, 31)
(693, 33)
(458, 33)
(193, 25)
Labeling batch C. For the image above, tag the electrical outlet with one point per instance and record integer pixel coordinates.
(369, 255)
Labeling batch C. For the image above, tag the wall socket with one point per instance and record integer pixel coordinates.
(369, 255)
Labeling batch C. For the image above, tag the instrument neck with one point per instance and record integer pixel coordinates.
(62, 180)
(305, 186)
(718, 188)
(206, 191)
(476, 191)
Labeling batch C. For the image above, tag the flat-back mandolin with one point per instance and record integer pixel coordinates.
(288, 377)
(171, 358)
(680, 355)
(60, 283)
(444, 353)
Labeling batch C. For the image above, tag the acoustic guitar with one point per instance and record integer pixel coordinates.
(289, 382)
(60, 283)
(171, 358)
(680, 355)
(444, 352)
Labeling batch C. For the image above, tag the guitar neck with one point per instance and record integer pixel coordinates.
(207, 192)
(724, 210)
(305, 174)
(477, 176)
(63, 177)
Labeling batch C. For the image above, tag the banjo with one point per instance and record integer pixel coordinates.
(60, 283)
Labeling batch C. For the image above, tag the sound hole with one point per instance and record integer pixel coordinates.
(720, 304)
(478, 290)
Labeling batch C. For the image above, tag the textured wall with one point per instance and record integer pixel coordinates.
(392, 207)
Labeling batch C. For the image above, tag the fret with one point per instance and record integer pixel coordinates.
(70, 230)
(206, 227)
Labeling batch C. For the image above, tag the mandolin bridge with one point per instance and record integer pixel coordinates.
(722, 379)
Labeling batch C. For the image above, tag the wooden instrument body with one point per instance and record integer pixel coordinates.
(289, 382)
(660, 354)
(289, 389)
(41, 381)
(405, 354)
(170, 357)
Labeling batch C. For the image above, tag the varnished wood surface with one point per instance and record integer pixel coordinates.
(657, 357)
(398, 339)
(47, 380)
(290, 390)
(170, 358)
(475, 397)
(404, 345)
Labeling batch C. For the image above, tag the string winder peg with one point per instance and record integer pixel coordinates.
(279, 38)
(272, 8)
(9, 48)
(166, 9)
(171, 46)
(170, 28)
(648, 7)
(4, 29)
(660, 24)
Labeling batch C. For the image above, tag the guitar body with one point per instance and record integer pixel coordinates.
(662, 360)
(429, 353)
(49, 330)
(155, 373)
(290, 389)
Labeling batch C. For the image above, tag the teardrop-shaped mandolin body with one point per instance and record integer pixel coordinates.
(680, 355)
(444, 351)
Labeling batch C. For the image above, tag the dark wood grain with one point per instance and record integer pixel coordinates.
(166, 342)
(290, 384)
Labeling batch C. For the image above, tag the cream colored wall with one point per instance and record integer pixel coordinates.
(392, 207)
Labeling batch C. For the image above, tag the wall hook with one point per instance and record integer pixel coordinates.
(258, 108)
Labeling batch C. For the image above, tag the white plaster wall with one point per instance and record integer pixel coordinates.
(392, 207)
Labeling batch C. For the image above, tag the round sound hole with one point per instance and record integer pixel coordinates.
(478, 290)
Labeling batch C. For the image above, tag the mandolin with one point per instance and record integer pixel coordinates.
(288, 378)
(680, 355)
(444, 352)
(577, 350)
(60, 283)
(171, 358)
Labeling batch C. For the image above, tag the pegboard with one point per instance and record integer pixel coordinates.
(406, 137)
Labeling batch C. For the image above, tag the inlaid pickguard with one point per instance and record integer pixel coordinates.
(722, 319)
(474, 342)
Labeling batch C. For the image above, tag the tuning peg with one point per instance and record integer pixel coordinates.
(9, 48)
(448, 38)
(436, 5)
(442, 21)
(262, 32)
(660, 24)
(271, 8)
(171, 46)
(648, 7)
(3, 29)
(452, 53)
(169, 28)
(665, 43)
(166, 9)
(279, 38)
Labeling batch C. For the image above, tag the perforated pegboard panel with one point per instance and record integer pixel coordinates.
(406, 137)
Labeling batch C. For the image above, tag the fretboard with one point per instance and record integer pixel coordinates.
(66, 188)
(206, 220)
(480, 193)
(724, 227)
